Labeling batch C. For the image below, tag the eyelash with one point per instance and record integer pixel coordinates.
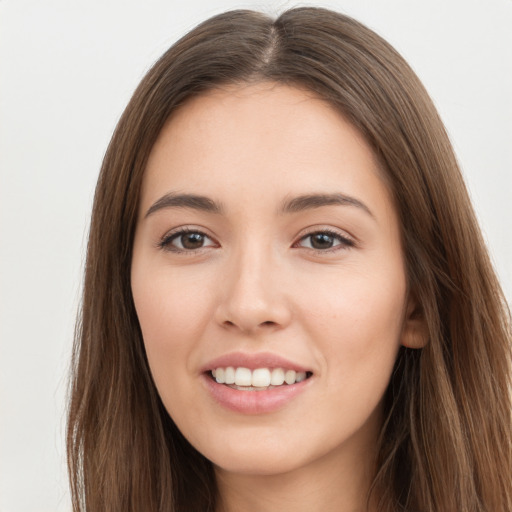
(166, 242)
(344, 241)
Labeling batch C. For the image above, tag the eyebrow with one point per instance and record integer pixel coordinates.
(310, 201)
(294, 205)
(192, 201)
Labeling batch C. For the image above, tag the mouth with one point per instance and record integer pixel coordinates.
(257, 383)
(259, 379)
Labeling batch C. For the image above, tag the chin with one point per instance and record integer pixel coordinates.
(255, 450)
(265, 464)
(265, 451)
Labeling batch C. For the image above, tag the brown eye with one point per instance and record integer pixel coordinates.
(191, 240)
(325, 240)
(186, 241)
(322, 241)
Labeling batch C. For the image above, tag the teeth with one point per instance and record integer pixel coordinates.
(258, 378)
(300, 376)
(289, 376)
(243, 377)
(219, 375)
(277, 377)
(261, 378)
(229, 375)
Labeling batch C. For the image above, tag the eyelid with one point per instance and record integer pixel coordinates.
(165, 242)
(347, 241)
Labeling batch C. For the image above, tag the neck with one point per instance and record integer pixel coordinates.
(331, 483)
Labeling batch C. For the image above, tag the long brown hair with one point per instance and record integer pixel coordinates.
(446, 441)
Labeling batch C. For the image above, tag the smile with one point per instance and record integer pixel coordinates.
(259, 379)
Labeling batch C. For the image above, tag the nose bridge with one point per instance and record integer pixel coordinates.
(254, 295)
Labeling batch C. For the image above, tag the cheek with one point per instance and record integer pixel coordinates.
(356, 325)
(172, 312)
(358, 316)
(171, 315)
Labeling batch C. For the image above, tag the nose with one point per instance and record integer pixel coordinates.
(254, 295)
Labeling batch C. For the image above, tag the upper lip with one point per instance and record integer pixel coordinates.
(253, 361)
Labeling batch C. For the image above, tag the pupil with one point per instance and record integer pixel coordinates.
(321, 241)
(192, 240)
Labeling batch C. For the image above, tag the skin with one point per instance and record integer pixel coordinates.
(258, 284)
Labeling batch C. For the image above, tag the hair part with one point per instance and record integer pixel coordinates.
(446, 441)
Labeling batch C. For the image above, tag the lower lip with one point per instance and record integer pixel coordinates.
(254, 402)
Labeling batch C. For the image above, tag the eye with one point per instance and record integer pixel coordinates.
(186, 240)
(325, 240)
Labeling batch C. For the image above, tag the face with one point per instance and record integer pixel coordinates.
(268, 248)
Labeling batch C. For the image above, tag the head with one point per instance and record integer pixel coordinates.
(433, 409)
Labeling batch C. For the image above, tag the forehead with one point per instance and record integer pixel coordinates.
(260, 141)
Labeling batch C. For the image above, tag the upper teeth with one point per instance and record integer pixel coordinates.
(259, 378)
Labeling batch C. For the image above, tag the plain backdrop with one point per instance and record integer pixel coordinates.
(67, 69)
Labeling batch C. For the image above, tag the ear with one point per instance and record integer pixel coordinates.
(414, 330)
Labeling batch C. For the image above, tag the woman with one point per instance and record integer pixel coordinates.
(287, 299)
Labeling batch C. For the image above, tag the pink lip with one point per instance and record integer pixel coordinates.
(253, 361)
(253, 402)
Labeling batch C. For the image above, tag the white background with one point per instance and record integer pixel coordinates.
(67, 69)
